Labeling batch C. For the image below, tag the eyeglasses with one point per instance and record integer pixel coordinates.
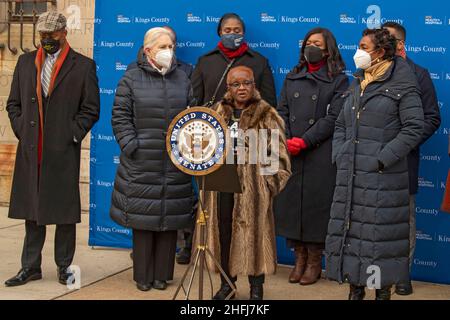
(237, 85)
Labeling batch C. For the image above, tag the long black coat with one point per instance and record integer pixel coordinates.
(211, 66)
(150, 193)
(309, 105)
(72, 110)
(369, 223)
(432, 120)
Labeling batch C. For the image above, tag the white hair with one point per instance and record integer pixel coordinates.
(152, 35)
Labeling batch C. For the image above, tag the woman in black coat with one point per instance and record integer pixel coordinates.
(310, 103)
(151, 195)
(232, 46)
(381, 122)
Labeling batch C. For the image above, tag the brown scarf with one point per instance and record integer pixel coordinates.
(374, 73)
(39, 62)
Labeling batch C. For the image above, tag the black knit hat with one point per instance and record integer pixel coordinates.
(227, 16)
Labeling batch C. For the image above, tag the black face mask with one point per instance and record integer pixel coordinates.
(50, 45)
(232, 41)
(313, 54)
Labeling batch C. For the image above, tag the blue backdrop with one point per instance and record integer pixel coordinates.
(275, 29)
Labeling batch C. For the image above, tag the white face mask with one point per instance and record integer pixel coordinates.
(164, 58)
(362, 59)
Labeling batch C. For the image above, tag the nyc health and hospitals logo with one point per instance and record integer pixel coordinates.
(205, 18)
(345, 19)
(191, 18)
(120, 66)
(122, 19)
(430, 20)
(372, 18)
(265, 17)
(196, 141)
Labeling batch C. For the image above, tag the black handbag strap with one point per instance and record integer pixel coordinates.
(210, 103)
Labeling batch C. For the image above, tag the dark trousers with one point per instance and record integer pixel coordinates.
(65, 242)
(225, 212)
(153, 255)
(187, 235)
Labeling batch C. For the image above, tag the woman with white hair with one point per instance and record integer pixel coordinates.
(151, 195)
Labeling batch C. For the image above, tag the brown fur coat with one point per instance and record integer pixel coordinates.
(253, 244)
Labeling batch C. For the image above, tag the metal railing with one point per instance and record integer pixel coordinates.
(16, 15)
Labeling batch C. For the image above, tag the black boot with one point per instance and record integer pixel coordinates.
(256, 292)
(404, 289)
(184, 256)
(160, 284)
(24, 276)
(224, 292)
(143, 287)
(383, 293)
(256, 287)
(65, 276)
(356, 293)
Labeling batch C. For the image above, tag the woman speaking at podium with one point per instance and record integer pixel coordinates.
(241, 232)
(151, 195)
(211, 69)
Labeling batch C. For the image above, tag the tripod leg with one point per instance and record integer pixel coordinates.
(222, 272)
(200, 251)
(200, 276)
(210, 279)
(181, 285)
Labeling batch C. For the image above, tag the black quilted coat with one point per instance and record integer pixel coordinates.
(369, 225)
(150, 193)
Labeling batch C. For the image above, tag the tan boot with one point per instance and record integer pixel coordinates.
(301, 254)
(313, 266)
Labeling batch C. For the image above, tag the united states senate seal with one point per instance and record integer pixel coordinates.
(197, 141)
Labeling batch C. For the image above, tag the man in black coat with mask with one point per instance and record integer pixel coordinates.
(53, 103)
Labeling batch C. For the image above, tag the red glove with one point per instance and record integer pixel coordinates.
(295, 145)
(293, 148)
(300, 142)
